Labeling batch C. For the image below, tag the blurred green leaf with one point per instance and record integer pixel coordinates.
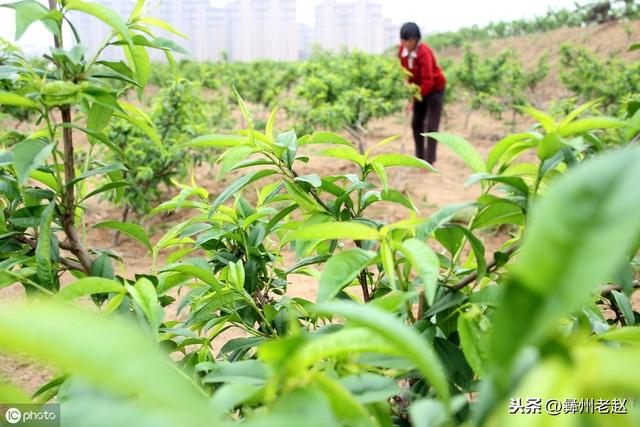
(132, 230)
(462, 148)
(89, 286)
(391, 329)
(341, 269)
(100, 345)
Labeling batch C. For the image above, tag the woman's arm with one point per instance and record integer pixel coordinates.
(427, 65)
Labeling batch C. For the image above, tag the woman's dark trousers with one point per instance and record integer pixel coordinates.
(426, 118)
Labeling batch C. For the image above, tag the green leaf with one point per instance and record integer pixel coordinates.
(42, 330)
(243, 109)
(299, 407)
(195, 271)
(382, 175)
(289, 142)
(426, 263)
(503, 145)
(327, 138)
(370, 388)
(45, 271)
(627, 335)
(99, 117)
(550, 145)
(334, 231)
(89, 286)
(344, 342)
(312, 179)
(592, 123)
(271, 123)
(238, 185)
(462, 148)
(251, 372)
(390, 160)
(230, 396)
(7, 98)
(428, 413)
(137, 120)
(162, 24)
(498, 213)
(577, 111)
(515, 182)
(104, 14)
(547, 122)
(102, 267)
(624, 305)
(106, 187)
(633, 47)
(397, 197)
(12, 393)
(388, 261)
(341, 269)
(439, 218)
(28, 156)
(139, 60)
(344, 153)
(561, 261)
(159, 43)
(349, 410)
(97, 171)
(398, 335)
(233, 156)
(144, 294)
(134, 231)
(450, 238)
(474, 343)
(27, 12)
(215, 141)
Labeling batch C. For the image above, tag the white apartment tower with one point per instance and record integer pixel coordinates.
(204, 25)
(263, 29)
(245, 29)
(354, 24)
(391, 34)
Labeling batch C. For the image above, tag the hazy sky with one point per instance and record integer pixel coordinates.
(442, 15)
(431, 15)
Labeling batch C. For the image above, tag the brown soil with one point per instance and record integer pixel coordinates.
(429, 191)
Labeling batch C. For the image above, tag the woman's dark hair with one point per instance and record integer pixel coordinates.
(410, 31)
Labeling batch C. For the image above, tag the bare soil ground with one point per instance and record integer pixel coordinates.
(429, 191)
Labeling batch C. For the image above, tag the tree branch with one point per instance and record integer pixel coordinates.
(473, 276)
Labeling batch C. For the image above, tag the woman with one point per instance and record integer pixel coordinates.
(418, 58)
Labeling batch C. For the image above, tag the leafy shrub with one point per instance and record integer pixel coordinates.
(347, 90)
(613, 81)
(497, 84)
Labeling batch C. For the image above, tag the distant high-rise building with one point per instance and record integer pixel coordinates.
(391, 34)
(204, 25)
(263, 29)
(355, 24)
(245, 30)
(305, 40)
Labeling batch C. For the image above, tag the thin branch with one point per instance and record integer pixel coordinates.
(473, 276)
(73, 265)
(363, 284)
